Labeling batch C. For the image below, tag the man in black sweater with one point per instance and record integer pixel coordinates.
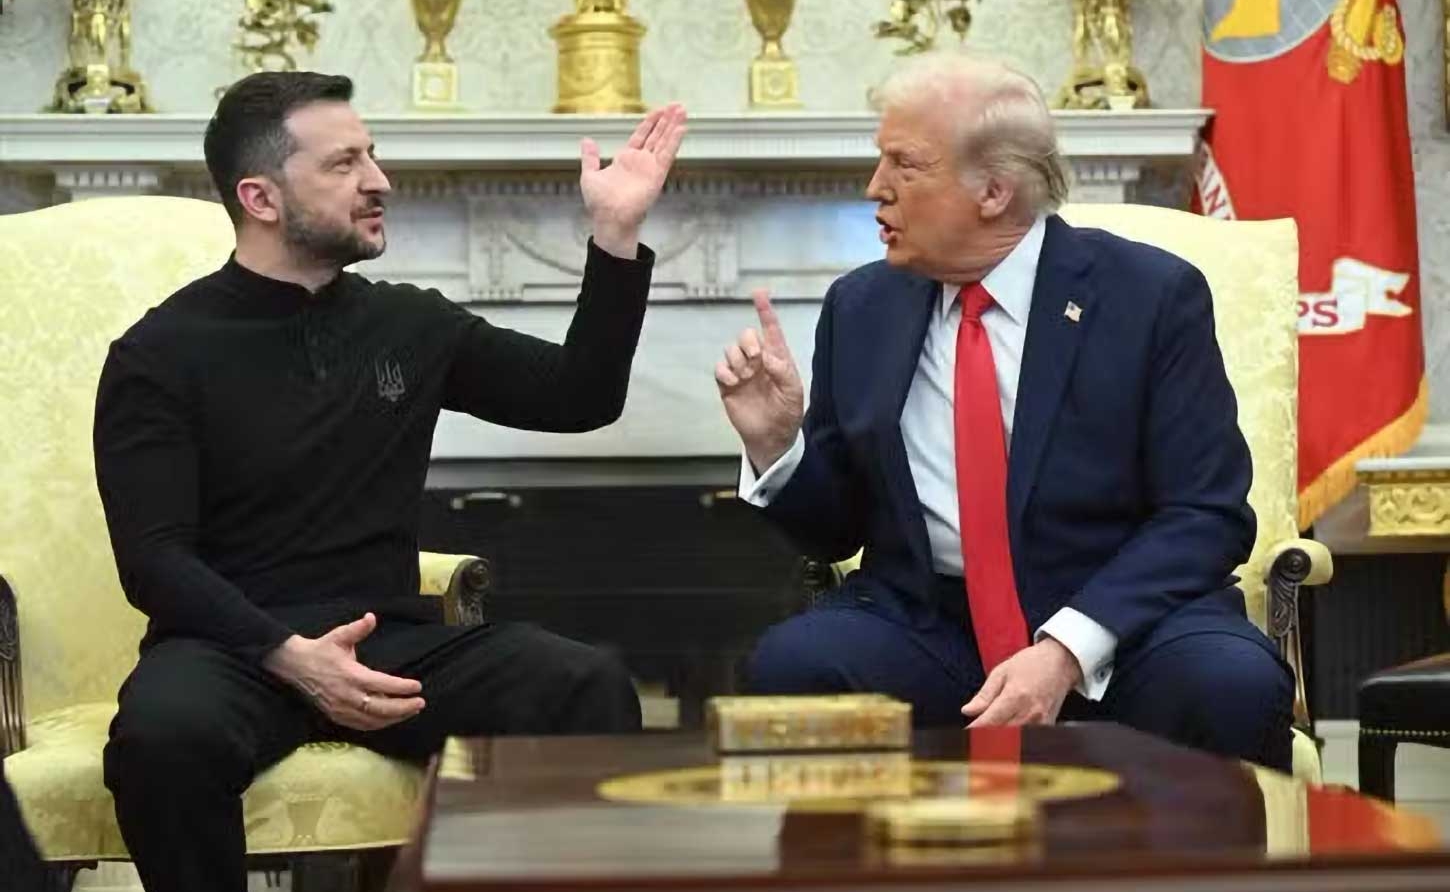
(261, 442)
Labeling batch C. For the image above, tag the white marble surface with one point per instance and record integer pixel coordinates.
(673, 405)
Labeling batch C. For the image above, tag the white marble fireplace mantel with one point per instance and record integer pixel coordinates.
(486, 209)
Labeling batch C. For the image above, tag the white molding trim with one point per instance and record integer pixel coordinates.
(543, 140)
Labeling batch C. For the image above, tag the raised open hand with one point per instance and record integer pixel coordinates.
(618, 196)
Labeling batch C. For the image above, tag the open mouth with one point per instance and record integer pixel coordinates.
(888, 232)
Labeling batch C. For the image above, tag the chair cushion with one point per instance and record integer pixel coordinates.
(323, 796)
(1414, 697)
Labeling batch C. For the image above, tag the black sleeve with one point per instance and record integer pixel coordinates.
(147, 474)
(521, 381)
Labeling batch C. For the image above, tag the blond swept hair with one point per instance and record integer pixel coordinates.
(1006, 133)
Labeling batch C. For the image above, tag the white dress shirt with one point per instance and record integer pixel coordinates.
(927, 427)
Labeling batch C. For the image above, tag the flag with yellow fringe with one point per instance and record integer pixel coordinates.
(1310, 122)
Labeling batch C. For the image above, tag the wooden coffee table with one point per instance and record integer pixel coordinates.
(1130, 811)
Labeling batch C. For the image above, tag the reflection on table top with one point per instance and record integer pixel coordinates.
(664, 811)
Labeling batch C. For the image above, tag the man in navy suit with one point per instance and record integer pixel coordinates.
(1029, 429)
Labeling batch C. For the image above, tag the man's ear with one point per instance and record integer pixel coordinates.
(994, 197)
(260, 199)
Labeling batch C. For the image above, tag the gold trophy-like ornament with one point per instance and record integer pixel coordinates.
(774, 78)
(918, 22)
(435, 74)
(598, 58)
(98, 77)
(1103, 75)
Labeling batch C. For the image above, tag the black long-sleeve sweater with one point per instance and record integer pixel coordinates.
(261, 450)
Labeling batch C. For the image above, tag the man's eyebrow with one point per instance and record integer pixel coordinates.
(348, 152)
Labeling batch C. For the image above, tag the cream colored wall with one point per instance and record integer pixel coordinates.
(697, 51)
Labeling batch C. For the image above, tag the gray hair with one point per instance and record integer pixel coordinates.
(1008, 133)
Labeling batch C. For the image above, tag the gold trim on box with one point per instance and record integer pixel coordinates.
(953, 821)
(1408, 502)
(844, 721)
(844, 783)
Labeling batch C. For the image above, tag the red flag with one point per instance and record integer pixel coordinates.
(1310, 122)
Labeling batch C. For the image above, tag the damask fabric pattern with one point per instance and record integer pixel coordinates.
(323, 796)
(72, 278)
(1252, 269)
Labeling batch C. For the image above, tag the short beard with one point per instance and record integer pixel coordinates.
(322, 243)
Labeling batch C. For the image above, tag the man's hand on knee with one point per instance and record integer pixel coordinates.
(326, 670)
(1027, 688)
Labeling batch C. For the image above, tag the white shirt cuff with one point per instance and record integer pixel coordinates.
(758, 491)
(1092, 645)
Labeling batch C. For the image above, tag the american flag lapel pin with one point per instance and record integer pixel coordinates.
(1073, 312)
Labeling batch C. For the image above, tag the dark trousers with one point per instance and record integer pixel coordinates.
(1225, 692)
(19, 862)
(197, 723)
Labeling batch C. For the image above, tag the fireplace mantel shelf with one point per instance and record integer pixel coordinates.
(486, 210)
(169, 141)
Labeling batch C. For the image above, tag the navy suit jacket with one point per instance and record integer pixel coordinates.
(1128, 475)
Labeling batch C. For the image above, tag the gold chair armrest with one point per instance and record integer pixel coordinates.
(461, 580)
(1291, 564)
(12, 704)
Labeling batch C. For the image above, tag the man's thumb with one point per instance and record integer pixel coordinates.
(355, 631)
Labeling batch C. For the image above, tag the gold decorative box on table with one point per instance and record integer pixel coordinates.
(839, 722)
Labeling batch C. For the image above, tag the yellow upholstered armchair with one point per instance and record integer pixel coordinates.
(72, 278)
(1252, 268)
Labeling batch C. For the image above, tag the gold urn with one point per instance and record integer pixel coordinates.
(435, 75)
(598, 58)
(774, 78)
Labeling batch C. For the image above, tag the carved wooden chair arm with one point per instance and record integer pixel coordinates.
(12, 706)
(1291, 564)
(462, 581)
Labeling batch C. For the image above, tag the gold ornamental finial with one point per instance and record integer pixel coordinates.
(1103, 75)
(98, 77)
(271, 32)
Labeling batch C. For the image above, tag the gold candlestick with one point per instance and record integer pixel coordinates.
(598, 58)
(435, 75)
(774, 78)
(98, 78)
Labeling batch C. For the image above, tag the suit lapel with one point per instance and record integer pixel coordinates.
(899, 344)
(1048, 355)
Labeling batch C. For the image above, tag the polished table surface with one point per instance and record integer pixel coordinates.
(527, 813)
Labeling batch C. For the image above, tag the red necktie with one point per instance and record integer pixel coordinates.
(982, 490)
